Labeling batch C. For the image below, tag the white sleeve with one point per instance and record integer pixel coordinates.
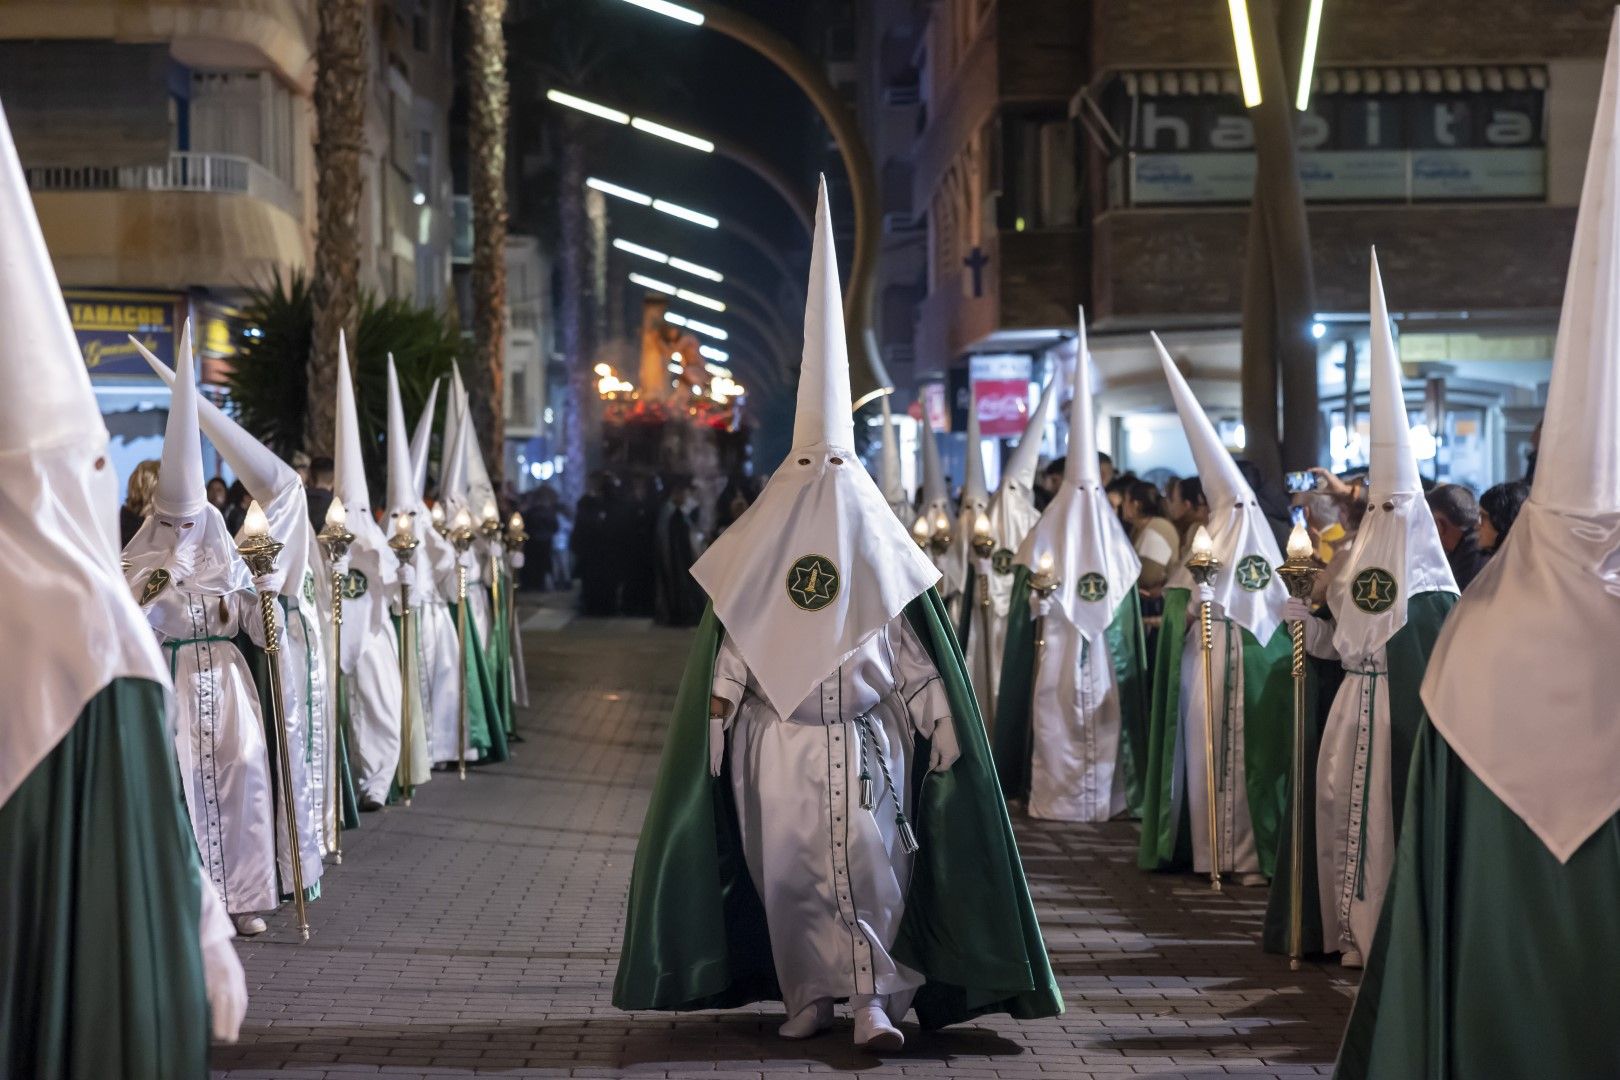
(225, 983)
(1154, 548)
(919, 681)
(730, 682)
(1319, 638)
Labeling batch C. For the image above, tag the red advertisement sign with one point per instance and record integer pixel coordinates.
(1003, 407)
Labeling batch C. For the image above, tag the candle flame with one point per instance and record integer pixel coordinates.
(919, 528)
(981, 524)
(255, 523)
(437, 513)
(1299, 543)
(1202, 544)
(516, 524)
(1045, 563)
(462, 520)
(336, 515)
(491, 511)
(403, 525)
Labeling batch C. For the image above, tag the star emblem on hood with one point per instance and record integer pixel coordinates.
(813, 582)
(1374, 590)
(1091, 587)
(1254, 573)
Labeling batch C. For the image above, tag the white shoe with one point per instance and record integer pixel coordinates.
(1350, 959)
(809, 1021)
(875, 1032)
(248, 925)
(1252, 880)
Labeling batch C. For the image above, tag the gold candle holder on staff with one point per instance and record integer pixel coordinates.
(516, 536)
(939, 537)
(461, 536)
(403, 544)
(259, 550)
(436, 515)
(1203, 565)
(1043, 583)
(922, 532)
(1298, 572)
(335, 539)
(491, 528)
(983, 545)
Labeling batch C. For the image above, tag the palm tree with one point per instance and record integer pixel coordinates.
(340, 86)
(487, 116)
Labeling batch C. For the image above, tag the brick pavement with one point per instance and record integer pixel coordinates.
(476, 933)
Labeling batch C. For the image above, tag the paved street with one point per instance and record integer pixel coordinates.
(476, 933)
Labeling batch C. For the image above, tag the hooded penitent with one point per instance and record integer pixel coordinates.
(1388, 605)
(1064, 742)
(370, 653)
(1509, 854)
(306, 588)
(1247, 587)
(975, 501)
(431, 656)
(808, 590)
(421, 438)
(93, 839)
(936, 496)
(894, 489)
(820, 516)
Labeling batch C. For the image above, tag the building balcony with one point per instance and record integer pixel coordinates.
(209, 220)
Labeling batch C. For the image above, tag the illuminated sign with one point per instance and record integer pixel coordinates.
(103, 322)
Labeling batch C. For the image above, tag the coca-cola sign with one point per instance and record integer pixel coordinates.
(1001, 385)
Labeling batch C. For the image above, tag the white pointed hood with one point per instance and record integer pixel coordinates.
(349, 468)
(936, 497)
(894, 489)
(402, 492)
(1012, 511)
(453, 470)
(1541, 733)
(1397, 553)
(73, 626)
(480, 492)
(975, 501)
(271, 481)
(369, 555)
(185, 535)
(1092, 557)
(422, 438)
(819, 563)
(1247, 588)
(181, 489)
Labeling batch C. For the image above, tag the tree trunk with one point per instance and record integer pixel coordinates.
(573, 315)
(487, 114)
(340, 112)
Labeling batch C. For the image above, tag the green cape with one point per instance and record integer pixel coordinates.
(1013, 740)
(498, 655)
(100, 970)
(1268, 710)
(695, 934)
(486, 731)
(1491, 958)
(1407, 654)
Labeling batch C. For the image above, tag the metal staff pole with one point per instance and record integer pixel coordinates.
(259, 550)
(983, 545)
(335, 539)
(461, 536)
(1203, 565)
(1043, 583)
(1298, 572)
(403, 544)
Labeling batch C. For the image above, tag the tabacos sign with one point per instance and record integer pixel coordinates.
(103, 323)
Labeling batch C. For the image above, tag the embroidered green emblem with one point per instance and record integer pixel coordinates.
(1374, 590)
(354, 585)
(1002, 561)
(309, 587)
(813, 582)
(1254, 573)
(1091, 587)
(156, 582)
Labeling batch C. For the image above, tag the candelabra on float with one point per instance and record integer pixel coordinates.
(259, 550)
(335, 539)
(1298, 572)
(1203, 565)
(403, 544)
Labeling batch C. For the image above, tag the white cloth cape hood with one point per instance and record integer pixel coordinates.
(819, 507)
(1079, 528)
(1247, 587)
(1542, 735)
(73, 627)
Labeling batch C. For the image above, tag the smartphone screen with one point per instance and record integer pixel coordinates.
(1299, 482)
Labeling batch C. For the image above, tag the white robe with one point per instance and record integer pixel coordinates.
(832, 875)
(220, 741)
(1239, 852)
(1355, 822)
(1075, 729)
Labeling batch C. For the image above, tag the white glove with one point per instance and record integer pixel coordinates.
(1204, 594)
(223, 978)
(942, 748)
(1296, 610)
(407, 576)
(517, 560)
(272, 582)
(1040, 606)
(983, 567)
(341, 566)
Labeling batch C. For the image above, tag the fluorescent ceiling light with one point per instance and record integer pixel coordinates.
(695, 326)
(619, 192)
(653, 284)
(695, 269)
(719, 356)
(1307, 64)
(694, 216)
(590, 107)
(700, 300)
(672, 134)
(673, 11)
(644, 252)
(1243, 38)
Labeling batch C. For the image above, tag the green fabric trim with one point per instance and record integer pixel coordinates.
(1322, 679)
(1268, 736)
(485, 732)
(498, 655)
(1491, 958)
(695, 934)
(969, 602)
(1166, 842)
(100, 971)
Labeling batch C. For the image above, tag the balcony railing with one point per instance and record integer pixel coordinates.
(219, 173)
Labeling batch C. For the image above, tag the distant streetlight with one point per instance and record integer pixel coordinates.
(640, 123)
(618, 191)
